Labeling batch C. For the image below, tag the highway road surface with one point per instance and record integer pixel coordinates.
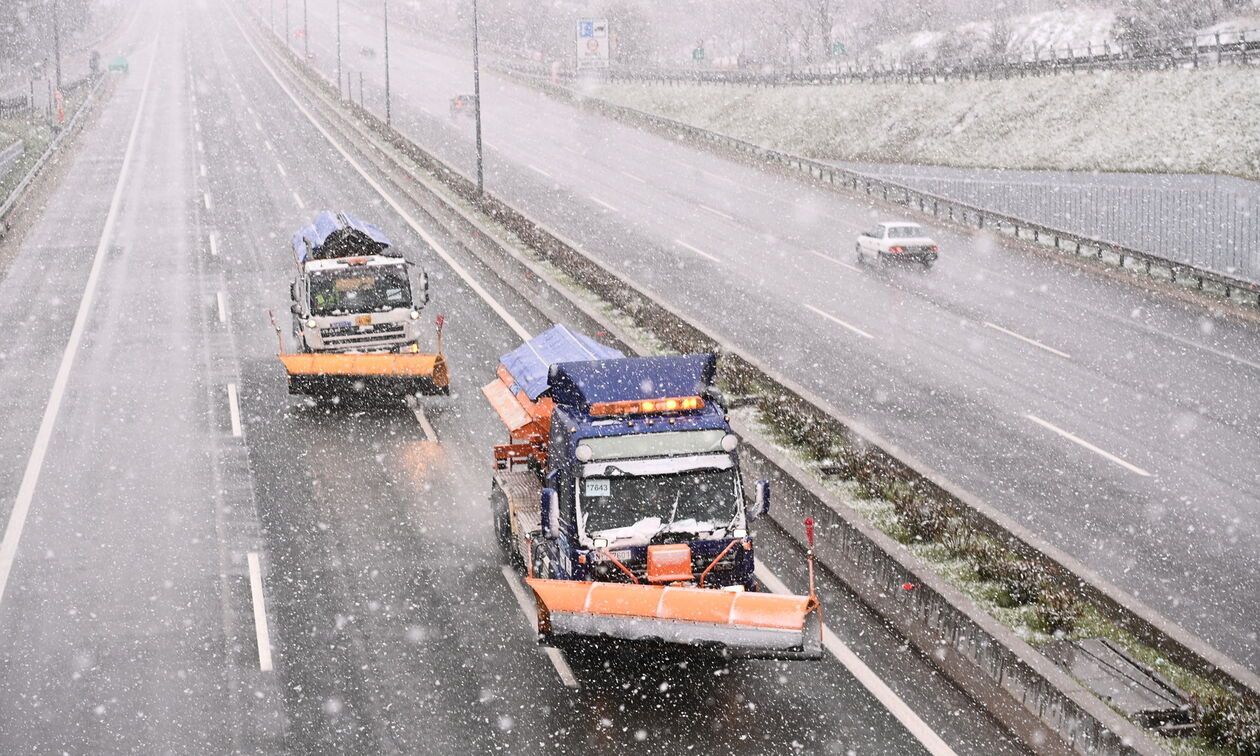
(194, 562)
(1117, 423)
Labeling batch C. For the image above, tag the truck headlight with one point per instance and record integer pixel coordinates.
(729, 442)
(310, 323)
(415, 315)
(600, 543)
(583, 453)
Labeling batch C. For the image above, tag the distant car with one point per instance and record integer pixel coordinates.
(462, 105)
(897, 241)
(119, 64)
(367, 51)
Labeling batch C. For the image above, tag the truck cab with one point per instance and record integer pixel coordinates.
(351, 294)
(633, 474)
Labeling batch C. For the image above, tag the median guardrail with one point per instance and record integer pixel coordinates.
(1224, 285)
(1046, 707)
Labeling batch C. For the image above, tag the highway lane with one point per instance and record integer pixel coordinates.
(1046, 390)
(393, 626)
(122, 624)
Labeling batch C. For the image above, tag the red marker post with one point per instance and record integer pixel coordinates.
(441, 321)
(61, 107)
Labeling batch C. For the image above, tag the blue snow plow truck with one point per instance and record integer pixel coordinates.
(619, 494)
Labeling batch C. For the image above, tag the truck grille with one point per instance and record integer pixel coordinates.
(382, 332)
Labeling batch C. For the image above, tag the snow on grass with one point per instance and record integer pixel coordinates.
(1179, 121)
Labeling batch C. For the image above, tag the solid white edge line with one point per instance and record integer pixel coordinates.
(700, 252)
(715, 211)
(260, 612)
(839, 322)
(35, 463)
(829, 258)
(477, 288)
(234, 409)
(1082, 442)
(221, 299)
(214, 243)
(536, 169)
(599, 201)
(629, 175)
(530, 611)
(869, 680)
(1035, 343)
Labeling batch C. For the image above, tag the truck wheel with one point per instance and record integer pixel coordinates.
(503, 529)
(861, 256)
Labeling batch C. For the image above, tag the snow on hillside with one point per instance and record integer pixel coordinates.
(1112, 121)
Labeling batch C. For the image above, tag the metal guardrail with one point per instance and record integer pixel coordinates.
(1233, 288)
(52, 148)
(1185, 51)
(1019, 685)
(13, 107)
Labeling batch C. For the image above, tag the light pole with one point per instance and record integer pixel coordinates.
(306, 35)
(57, 42)
(271, 15)
(387, 115)
(477, 102)
(288, 32)
(338, 48)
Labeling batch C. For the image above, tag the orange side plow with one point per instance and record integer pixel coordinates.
(752, 625)
(335, 373)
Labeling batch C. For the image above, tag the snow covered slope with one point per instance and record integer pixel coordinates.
(1181, 121)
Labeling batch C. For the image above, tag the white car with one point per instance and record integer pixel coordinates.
(897, 241)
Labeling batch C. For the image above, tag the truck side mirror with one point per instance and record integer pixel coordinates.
(424, 285)
(296, 309)
(761, 502)
(549, 511)
(293, 291)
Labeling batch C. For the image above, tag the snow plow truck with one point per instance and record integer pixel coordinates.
(356, 310)
(619, 494)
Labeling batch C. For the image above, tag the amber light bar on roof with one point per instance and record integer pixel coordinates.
(647, 406)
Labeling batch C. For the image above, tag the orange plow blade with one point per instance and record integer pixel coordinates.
(334, 373)
(754, 625)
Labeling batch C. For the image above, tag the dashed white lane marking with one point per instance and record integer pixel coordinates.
(536, 169)
(839, 322)
(716, 212)
(599, 201)
(417, 409)
(205, 198)
(298, 200)
(260, 612)
(831, 259)
(234, 409)
(698, 251)
(450, 261)
(258, 125)
(531, 616)
(201, 147)
(197, 127)
(34, 465)
(221, 300)
(1025, 339)
(281, 169)
(214, 243)
(203, 169)
(869, 680)
(269, 145)
(633, 177)
(1082, 442)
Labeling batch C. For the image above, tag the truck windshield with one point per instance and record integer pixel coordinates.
(693, 501)
(366, 289)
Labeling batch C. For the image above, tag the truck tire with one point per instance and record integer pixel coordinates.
(861, 256)
(503, 529)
